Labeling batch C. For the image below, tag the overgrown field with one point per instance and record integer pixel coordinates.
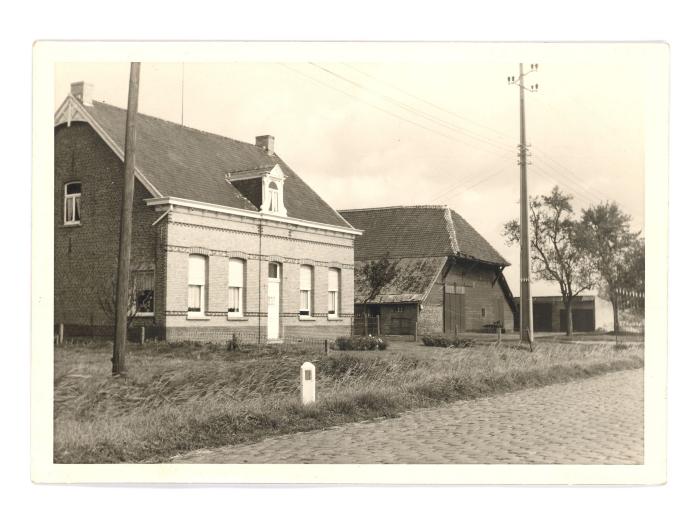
(180, 398)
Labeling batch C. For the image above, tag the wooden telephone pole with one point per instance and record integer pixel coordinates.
(122, 310)
(526, 326)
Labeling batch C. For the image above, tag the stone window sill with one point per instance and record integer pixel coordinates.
(306, 318)
(236, 318)
(198, 317)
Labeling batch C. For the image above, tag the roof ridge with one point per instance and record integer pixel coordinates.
(451, 231)
(427, 206)
(183, 126)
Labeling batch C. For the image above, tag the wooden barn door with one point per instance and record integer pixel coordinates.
(455, 309)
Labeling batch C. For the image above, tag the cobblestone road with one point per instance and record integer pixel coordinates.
(597, 420)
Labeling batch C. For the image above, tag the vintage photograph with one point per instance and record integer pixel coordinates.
(352, 261)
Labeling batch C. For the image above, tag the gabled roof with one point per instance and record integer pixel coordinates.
(418, 232)
(186, 163)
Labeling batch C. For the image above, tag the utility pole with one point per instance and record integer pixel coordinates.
(526, 326)
(118, 355)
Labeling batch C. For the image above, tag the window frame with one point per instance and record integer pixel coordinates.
(273, 193)
(74, 199)
(334, 296)
(240, 287)
(309, 291)
(201, 312)
(151, 313)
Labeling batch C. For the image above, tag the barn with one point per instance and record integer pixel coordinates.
(450, 279)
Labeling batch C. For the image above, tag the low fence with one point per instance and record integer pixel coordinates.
(374, 325)
(224, 336)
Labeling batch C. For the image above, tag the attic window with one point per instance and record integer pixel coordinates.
(274, 198)
(263, 187)
(71, 212)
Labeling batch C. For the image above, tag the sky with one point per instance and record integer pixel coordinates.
(370, 134)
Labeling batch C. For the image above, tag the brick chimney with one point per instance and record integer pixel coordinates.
(82, 91)
(266, 142)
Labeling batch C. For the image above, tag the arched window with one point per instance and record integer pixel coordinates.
(236, 283)
(333, 290)
(274, 197)
(305, 290)
(71, 204)
(196, 288)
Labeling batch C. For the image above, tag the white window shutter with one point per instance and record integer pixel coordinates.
(305, 277)
(197, 270)
(235, 272)
(333, 280)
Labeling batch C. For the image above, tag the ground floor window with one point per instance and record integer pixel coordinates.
(236, 277)
(333, 288)
(305, 287)
(143, 293)
(196, 284)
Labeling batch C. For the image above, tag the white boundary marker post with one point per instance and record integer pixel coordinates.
(308, 383)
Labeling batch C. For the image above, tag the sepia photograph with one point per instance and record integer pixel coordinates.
(418, 255)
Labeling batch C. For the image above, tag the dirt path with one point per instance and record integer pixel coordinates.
(593, 421)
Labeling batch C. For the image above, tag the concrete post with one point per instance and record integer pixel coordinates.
(143, 335)
(60, 333)
(308, 383)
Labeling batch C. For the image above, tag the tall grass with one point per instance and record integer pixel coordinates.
(176, 399)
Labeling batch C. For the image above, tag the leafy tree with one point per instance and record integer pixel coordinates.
(613, 249)
(374, 276)
(555, 249)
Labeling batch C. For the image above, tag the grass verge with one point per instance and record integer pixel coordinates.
(178, 399)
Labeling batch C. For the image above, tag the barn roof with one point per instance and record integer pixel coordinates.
(186, 163)
(418, 232)
(413, 282)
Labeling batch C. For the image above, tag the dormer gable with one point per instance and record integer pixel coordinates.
(263, 187)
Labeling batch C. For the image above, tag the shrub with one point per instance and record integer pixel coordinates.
(233, 343)
(368, 343)
(446, 341)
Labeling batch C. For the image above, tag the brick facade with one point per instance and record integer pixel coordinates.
(85, 256)
(220, 237)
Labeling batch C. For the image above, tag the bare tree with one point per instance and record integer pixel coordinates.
(108, 301)
(555, 250)
(374, 276)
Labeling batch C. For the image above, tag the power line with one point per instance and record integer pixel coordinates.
(445, 190)
(425, 115)
(379, 108)
(580, 190)
(455, 114)
(541, 172)
(570, 177)
(472, 186)
(564, 171)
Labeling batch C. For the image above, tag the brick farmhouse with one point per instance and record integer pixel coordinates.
(226, 236)
(450, 278)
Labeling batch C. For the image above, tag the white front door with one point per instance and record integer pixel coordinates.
(273, 302)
